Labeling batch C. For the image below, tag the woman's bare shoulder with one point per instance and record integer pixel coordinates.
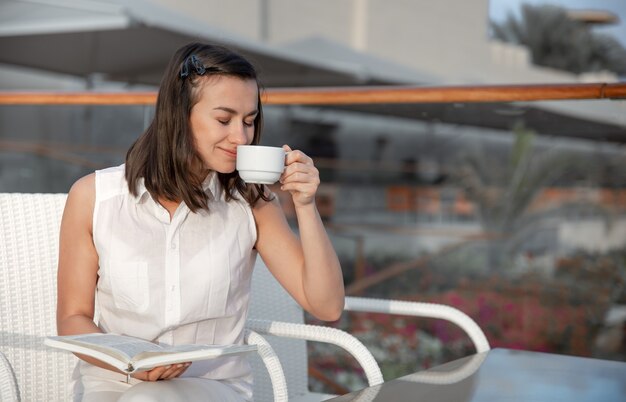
(81, 198)
(84, 188)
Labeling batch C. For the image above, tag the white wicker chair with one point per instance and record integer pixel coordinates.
(280, 319)
(29, 228)
(273, 303)
(29, 234)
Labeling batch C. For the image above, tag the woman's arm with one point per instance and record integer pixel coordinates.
(78, 265)
(78, 262)
(78, 275)
(308, 267)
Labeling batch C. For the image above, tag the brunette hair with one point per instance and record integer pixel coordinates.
(165, 153)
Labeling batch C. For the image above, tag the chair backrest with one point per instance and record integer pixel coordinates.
(29, 236)
(269, 301)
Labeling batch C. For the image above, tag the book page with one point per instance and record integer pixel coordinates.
(125, 347)
(131, 354)
(128, 345)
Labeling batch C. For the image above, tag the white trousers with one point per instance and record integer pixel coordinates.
(90, 384)
(175, 390)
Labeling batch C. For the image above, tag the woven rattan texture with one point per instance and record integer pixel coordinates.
(269, 301)
(8, 383)
(29, 236)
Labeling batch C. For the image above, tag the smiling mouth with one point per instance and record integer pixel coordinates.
(232, 154)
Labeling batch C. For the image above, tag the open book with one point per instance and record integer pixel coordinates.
(129, 354)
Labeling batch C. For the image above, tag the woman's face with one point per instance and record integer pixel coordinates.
(222, 119)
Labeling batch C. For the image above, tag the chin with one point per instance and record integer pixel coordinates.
(224, 168)
(225, 171)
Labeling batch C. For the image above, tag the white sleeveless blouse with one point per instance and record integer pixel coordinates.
(178, 282)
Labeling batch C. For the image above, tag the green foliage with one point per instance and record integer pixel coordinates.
(504, 197)
(557, 41)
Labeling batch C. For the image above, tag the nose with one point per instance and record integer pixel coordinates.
(238, 134)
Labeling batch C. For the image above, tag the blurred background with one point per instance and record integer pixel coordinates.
(514, 212)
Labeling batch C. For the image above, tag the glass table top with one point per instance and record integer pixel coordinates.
(506, 375)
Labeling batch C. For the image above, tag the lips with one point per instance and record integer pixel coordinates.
(232, 154)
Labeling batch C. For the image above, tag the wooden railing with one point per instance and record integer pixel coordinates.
(316, 96)
(311, 96)
(349, 95)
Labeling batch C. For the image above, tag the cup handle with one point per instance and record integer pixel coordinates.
(286, 154)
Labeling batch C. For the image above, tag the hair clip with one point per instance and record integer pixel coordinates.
(192, 62)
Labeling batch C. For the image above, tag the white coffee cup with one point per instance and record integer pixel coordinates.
(260, 164)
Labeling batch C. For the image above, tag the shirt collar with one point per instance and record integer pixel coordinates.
(142, 191)
(210, 185)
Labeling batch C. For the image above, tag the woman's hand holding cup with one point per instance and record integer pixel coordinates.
(294, 169)
(300, 177)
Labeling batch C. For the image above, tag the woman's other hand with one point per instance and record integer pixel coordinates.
(300, 177)
(162, 372)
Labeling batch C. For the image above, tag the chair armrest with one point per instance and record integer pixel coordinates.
(272, 364)
(9, 391)
(323, 334)
(416, 309)
(469, 368)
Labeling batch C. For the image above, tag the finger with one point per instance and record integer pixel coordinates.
(301, 175)
(299, 168)
(155, 373)
(180, 370)
(287, 148)
(298, 156)
(302, 188)
(142, 375)
(300, 179)
(171, 370)
(293, 170)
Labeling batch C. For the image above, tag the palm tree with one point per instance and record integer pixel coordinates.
(503, 197)
(503, 194)
(557, 41)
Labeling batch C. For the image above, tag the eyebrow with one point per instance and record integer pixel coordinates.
(233, 111)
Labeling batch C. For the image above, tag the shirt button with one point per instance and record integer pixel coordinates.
(173, 287)
(173, 246)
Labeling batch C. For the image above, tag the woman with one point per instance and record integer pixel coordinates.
(164, 245)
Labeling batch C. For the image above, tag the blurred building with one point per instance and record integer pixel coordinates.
(361, 41)
(118, 45)
(391, 188)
